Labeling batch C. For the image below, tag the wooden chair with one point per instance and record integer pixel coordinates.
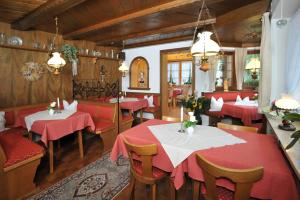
(237, 127)
(143, 171)
(243, 179)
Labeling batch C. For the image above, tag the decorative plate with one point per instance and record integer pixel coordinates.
(14, 40)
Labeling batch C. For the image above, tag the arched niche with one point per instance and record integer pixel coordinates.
(139, 74)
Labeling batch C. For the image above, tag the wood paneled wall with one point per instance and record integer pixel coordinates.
(16, 91)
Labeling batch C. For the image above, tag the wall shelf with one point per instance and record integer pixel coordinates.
(18, 47)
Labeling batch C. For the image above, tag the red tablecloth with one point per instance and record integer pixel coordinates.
(245, 113)
(134, 105)
(260, 150)
(55, 129)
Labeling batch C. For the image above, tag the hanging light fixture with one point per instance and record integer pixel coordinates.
(56, 62)
(124, 67)
(205, 46)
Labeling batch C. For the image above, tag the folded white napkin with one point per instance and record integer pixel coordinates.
(150, 100)
(2, 121)
(72, 106)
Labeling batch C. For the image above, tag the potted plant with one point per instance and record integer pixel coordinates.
(190, 124)
(70, 53)
(295, 135)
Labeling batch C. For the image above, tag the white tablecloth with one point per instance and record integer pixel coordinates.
(127, 99)
(179, 146)
(44, 115)
(246, 103)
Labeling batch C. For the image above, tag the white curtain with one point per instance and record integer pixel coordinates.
(240, 61)
(266, 63)
(293, 57)
(212, 73)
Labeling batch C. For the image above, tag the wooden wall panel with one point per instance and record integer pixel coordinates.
(15, 90)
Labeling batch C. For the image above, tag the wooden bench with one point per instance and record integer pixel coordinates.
(19, 159)
(104, 116)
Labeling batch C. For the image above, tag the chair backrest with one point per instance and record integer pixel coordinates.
(243, 178)
(170, 91)
(237, 127)
(2, 158)
(145, 153)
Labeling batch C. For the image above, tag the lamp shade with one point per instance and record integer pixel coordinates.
(123, 67)
(56, 61)
(253, 64)
(287, 103)
(205, 45)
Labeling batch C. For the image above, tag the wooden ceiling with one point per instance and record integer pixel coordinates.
(137, 22)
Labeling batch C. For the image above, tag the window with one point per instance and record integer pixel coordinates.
(224, 70)
(180, 72)
(250, 80)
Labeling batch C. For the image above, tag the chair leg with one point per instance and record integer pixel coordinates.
(131, 187)
(153, 187)
(172, 190)
(196, 188)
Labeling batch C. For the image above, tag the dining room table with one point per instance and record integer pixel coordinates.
(247, 112)
(53, 127)
(233, 149)
(133, 105)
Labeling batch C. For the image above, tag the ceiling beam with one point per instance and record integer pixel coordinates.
(44, 12)
(242, 13)
(163, 30)
(148, 11)
(162, 41)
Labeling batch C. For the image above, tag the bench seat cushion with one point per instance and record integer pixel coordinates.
(17, 148)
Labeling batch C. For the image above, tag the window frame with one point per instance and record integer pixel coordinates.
(180, 68)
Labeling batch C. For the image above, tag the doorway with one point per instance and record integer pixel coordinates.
(177, 80)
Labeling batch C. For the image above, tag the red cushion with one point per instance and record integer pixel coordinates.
(9, 118)
(28, 111)
(227, 96)
(247, 93)
(17, 148)
(157, 173)
(102, 125)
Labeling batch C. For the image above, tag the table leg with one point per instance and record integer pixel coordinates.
(141, 115)
(80, 143)
(51, 160)
(174, 102)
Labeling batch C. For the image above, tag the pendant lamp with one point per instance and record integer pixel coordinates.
(56, 62)
(204, 46)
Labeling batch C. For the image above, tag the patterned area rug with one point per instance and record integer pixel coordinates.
(100, 180)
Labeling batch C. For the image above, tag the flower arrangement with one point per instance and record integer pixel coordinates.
(197, 105)
(52, 105)
(255, 97)
(295, 135)
(189, 123)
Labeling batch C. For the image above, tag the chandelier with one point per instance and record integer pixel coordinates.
(56, 62)
(253, 66)
(205, 46)
(123, 67)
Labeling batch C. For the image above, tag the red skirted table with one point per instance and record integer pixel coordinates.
(245, 113)
(259, 150)
(51, 130)
(133, 105)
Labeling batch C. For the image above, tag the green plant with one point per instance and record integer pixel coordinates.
(187, 124)
(295, 135)
(70, 52)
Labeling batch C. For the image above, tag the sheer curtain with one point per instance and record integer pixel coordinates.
(266, 63)
(213, 60)
(240, 61)
(293, 57)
